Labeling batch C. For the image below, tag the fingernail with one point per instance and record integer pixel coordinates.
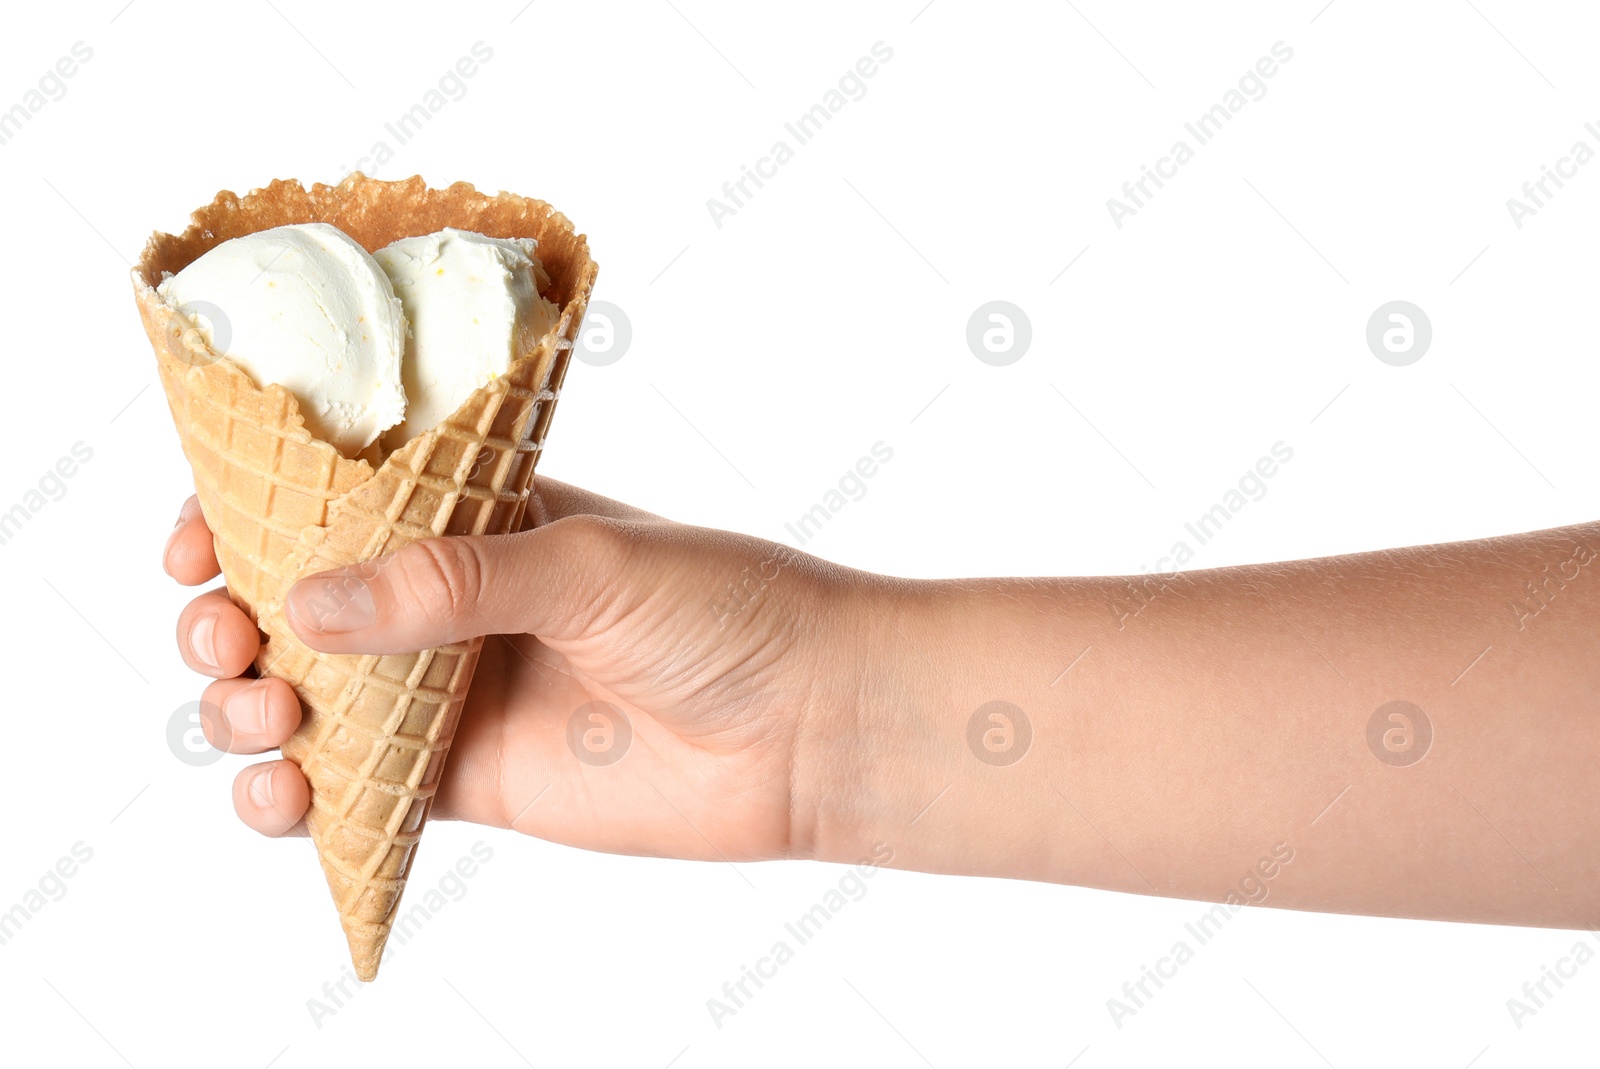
(333, 605)
(246, 709)
(261, 789)
(203, 640)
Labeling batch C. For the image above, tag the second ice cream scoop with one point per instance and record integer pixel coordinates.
(474, 306)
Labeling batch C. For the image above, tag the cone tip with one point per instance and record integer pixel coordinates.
(366, 950)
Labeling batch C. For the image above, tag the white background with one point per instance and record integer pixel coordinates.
(768, 354)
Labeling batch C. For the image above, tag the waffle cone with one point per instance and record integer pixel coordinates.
(283, 504)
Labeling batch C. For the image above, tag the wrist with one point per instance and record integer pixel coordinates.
(853, 719)
(946, 759)
(879, 759)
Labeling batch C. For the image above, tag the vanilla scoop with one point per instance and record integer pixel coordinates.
(474, 306)
(306, 307)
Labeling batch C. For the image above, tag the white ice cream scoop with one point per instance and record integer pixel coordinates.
(473, 304)
(306, 307)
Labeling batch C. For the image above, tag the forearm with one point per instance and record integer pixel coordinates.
(1184, 729)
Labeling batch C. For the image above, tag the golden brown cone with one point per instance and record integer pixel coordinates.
(283, 504)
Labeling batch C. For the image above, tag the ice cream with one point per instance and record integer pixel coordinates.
(374, 733)
(375, 348)
(306, 307)
(473, 304)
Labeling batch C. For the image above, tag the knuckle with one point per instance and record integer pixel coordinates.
(596, 553)
(600, 547)
(596, 536)
(444, 576)
(213, 725)
(211, 728)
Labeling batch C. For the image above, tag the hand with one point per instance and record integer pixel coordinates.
(726, 653)
(949, 726)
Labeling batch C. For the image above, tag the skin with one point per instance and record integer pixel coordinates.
(1202, 735)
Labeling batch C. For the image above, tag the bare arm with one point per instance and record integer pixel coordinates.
(1230, 732)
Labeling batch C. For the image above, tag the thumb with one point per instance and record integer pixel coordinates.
(552, 581)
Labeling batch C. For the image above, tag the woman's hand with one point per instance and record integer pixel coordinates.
(726, 655)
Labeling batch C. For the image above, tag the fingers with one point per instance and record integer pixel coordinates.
(189, 556)
(257, 715)
(253, 715)
(272, 798)
(552, 581)
(215, 637)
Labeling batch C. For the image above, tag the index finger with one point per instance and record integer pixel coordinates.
(189, 556)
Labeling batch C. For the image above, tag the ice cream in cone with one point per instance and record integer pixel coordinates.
(283, 503)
